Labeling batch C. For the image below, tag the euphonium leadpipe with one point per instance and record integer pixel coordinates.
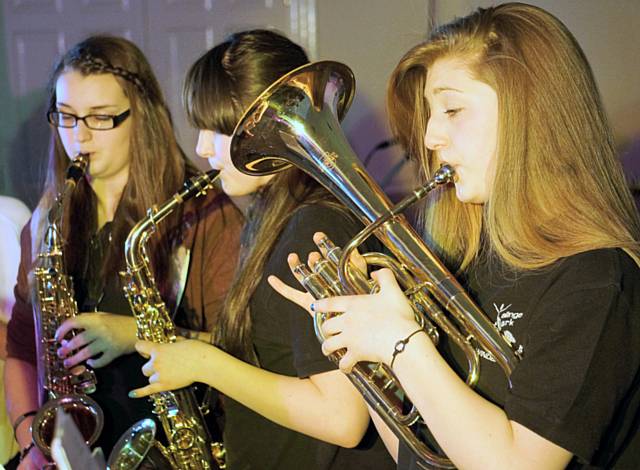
(296, 122)
(54, 303)
(189, 443)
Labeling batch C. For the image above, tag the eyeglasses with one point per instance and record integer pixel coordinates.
(98, 122)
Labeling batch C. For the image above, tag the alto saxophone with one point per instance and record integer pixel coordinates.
(54, 303)
(189, 443)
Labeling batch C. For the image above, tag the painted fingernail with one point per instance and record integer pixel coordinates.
(133, 394)
(312, 307)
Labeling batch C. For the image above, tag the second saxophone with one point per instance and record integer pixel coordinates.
(189, 443)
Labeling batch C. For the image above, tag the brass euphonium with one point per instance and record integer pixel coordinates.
(296, 122)
(54, 302)
(189, 443)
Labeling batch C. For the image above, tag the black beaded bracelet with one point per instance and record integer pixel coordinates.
(24, 451)
(21, 418)
(400, 345)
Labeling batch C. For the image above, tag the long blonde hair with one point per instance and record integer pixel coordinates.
(558, 188)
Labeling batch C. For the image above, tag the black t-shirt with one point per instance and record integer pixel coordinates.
(285, 343)
(577, 326)
(94, 292)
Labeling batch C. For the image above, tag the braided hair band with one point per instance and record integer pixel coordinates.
(96, 65)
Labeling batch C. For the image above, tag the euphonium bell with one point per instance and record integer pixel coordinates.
(296, 122)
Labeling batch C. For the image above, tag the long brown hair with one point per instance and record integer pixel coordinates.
(157, 164)
(219, 87)
(558, 188)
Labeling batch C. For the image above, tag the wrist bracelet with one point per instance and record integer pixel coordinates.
(401, 345)
(21, 418)
(24, 451)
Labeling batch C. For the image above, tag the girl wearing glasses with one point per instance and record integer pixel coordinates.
(286, 406)
(104, 101)
(540, 226)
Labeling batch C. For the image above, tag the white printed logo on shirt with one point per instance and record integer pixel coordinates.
(505, 319)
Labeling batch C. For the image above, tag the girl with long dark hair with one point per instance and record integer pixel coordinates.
(105, 102)
(285, 404)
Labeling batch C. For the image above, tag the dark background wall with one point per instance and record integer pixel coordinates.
(369, 35)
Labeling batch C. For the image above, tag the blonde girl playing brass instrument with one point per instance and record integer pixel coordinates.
(542, 230)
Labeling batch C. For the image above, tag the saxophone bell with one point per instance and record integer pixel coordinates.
(84, 411)
(133, 446)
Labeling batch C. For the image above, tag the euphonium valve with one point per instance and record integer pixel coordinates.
(296, 122)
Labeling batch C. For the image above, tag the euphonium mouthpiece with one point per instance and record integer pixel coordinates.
(444, 175)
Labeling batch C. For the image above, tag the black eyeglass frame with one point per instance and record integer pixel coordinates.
(116, 120)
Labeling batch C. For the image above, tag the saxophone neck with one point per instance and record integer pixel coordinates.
(53, 239)
(134, 253)
(135, 256)
(75, 171)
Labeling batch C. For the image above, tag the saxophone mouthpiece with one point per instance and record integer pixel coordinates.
(78, 167)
